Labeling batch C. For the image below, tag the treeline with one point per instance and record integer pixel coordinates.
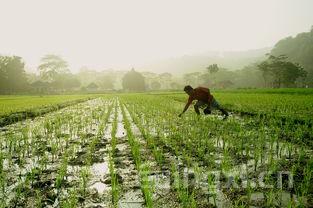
(54, 76)
(274, 72)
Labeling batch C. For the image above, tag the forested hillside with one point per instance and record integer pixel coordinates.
(298, 49)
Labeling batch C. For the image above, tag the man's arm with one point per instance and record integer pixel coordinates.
(186, 106)
(210, 97)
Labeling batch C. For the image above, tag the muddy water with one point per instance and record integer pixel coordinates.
(99, 171)
(100, 175)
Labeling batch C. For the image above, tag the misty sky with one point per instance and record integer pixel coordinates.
(121, 34)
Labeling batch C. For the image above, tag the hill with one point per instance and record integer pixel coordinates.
(299, 49)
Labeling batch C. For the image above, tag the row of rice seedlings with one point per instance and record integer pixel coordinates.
(69, 197)
(185, 193)
(157, 150)
(100, 117)
(84, 178)
(141, 166)
(72, 200)
(115, 189)
(62, 172)
(3, 180)
(161, 128)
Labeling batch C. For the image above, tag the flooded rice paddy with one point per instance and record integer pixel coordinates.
(129, 152)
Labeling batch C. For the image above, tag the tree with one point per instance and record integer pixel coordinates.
(66, 82)
(105, 81)
(92, 86)
(213, 69)
(248, 77)
(12, 74)
(40, 86)
(266, 72)
(175, 86)
(284, 72)
(165, 79)
(192, 79)
(150, 78)
(225, 84)
(51, 67)
(133, 81)
(72, 82)
(155, 85)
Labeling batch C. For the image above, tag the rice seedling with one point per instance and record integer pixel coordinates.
(72, 200)
(114, 180)
(84, 176)
(147, 186)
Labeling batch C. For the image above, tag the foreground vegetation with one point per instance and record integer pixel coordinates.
(133, 149)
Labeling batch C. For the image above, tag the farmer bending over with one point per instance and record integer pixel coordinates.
(204, 100)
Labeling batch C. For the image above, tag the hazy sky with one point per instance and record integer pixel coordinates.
(119, 34)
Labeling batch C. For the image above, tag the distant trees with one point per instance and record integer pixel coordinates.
(193, 79)
(165, 80)
(176, 86)
(92, 86)
(279, 72)
(65, 82)
(133, 81)
(52, 67)
(248, 77)
(54, 70)
(40, 86)
(213, 69)
(106, 82)
(12, 74)
(299, 50)
(155, 85)
(152, 81)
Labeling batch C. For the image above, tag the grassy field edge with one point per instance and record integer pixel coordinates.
(32, 113)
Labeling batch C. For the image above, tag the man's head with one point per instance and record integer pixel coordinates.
(188, 89)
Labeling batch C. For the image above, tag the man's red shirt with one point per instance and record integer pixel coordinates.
(200, 93)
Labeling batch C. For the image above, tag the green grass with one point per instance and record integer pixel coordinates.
(291, 103)
(12, 103)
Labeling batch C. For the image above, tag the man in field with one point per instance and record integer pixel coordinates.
(204, 100)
